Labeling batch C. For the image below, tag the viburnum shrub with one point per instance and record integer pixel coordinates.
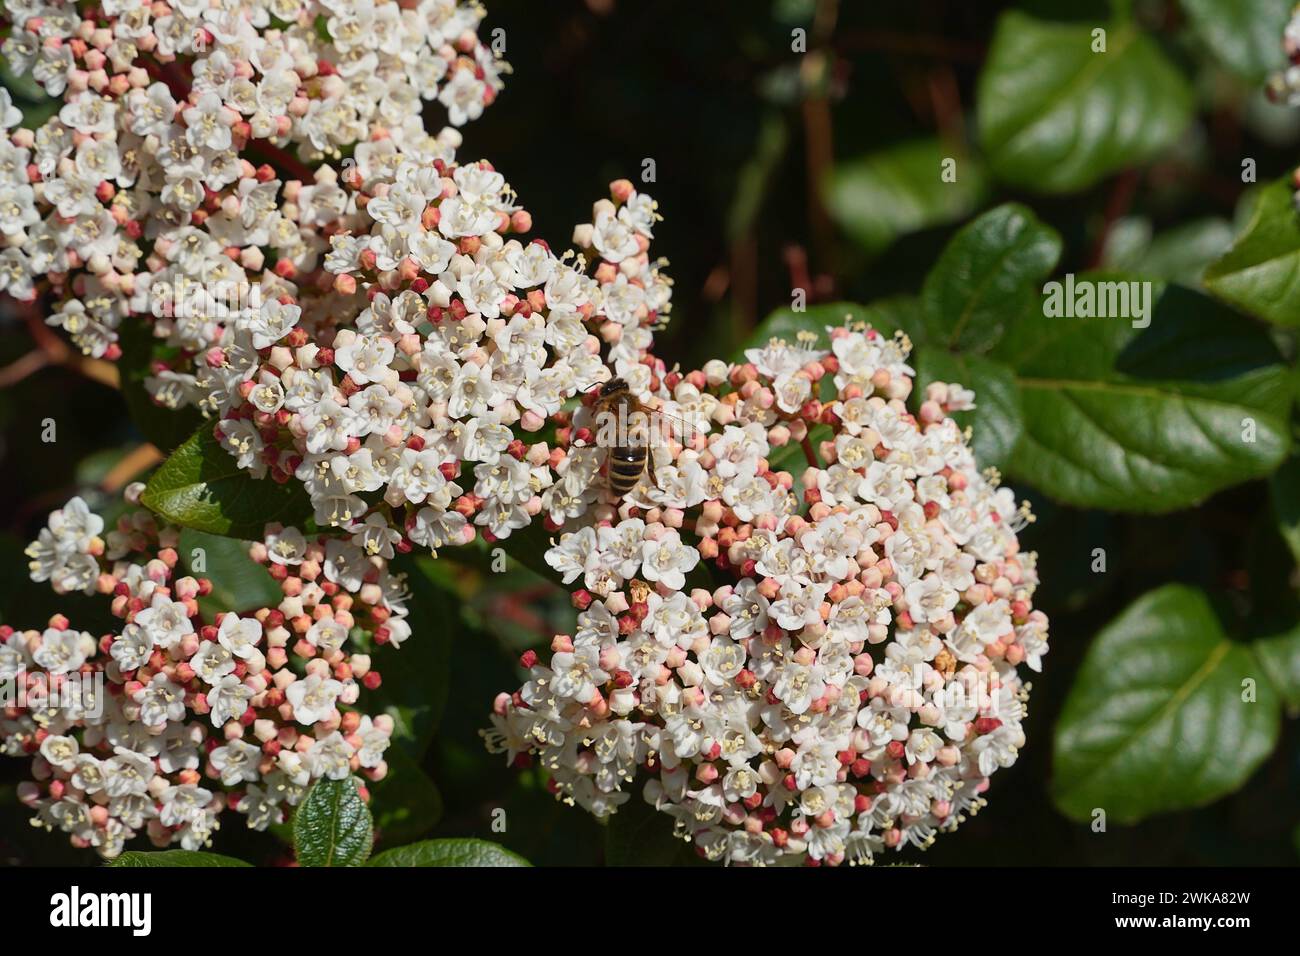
(800, 635)
(806, 630)
(159, 726)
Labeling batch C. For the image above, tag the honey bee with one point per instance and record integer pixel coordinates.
(630, 453)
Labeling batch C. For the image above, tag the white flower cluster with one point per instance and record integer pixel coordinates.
(465, 343)
(855, 684)
(162, 725)
(185, 166)
(370, 328)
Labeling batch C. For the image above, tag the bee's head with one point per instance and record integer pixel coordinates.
(612, 387)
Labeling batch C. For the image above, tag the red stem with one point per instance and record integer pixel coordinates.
(1121, 198)
(808, 453)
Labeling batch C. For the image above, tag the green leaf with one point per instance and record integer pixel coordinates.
(135, 858)
(1260, 274)
(997, 419)
(1151, 419)
(639, 835)
(992, 269)
(165, 427)
(202, 487)
(1180, 254)
(405, 804)
(1284, 489)
(22, 86)
(467, 852)
(332, 825)
(1280, 656)
(1055, 117)
(887, 316)
(238, 582)
(1156, 719)
(1244, 35)
(36, 105)
(417, 675)
(900, 189)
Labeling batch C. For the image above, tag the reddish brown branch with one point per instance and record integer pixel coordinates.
(19, 369)
(809, 453)
(1121, 198)
(55, 351)
(129, 466)
(946, 99)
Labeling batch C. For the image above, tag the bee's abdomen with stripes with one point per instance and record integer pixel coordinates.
(626, 465)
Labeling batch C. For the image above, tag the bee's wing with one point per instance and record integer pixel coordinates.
(685, 428)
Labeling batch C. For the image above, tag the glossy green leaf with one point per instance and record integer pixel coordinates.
(1179, 254)
(1156, 719)
(1054, 116)
(135, 858)
(1183, 253)
(1244, 35)
(1280, 656)
(992, 270)
(899, 190)
(202, 487)
(238, 582)
(997, 419)
(1150, 419)
(332, 825)
(467, 852)
(1260, 274)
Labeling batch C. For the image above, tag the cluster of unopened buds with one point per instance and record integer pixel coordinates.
(853, 683)
(181, 713)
